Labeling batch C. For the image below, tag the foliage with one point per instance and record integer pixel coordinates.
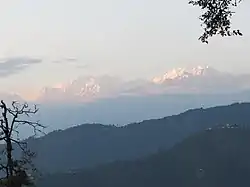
(217, 17)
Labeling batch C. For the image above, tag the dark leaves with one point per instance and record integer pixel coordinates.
(216, 20)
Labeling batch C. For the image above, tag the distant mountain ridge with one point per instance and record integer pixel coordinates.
(179, 80)
(199, 79)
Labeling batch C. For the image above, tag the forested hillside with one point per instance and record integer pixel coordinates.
(219, 157)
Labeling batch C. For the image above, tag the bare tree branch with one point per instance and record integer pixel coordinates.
(10, 120)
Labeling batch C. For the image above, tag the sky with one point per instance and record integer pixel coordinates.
(46, 42)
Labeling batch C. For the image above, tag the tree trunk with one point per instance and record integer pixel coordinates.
(9, 162)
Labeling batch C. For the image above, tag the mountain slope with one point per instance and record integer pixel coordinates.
(93, 144)
(216, 158)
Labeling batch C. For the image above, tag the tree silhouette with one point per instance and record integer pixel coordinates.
(16, 171)
(216, 20)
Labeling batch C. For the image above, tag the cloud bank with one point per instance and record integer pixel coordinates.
(14, 65)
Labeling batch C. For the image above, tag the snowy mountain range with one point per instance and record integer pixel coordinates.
(112, 100)
(176, 81)
(180, 80)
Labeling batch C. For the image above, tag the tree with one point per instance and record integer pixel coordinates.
(16, 171)
(216, 20)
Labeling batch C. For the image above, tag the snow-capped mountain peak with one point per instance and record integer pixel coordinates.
(90, 87)
(182, 73)
(86, 88)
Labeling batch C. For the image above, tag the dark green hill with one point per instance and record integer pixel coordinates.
(92, 144)
(217, 158)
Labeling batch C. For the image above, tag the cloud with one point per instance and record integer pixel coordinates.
(69, 60)
(83, 66)
(14, 65)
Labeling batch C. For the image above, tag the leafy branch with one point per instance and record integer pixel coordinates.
(216, 20)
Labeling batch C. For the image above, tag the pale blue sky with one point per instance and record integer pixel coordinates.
(130, 38)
